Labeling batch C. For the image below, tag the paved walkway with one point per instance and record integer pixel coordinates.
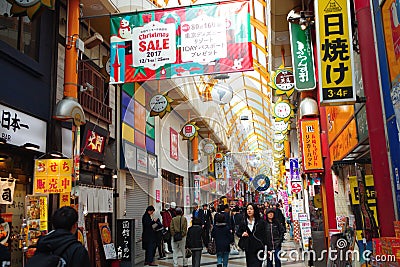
(234, 260)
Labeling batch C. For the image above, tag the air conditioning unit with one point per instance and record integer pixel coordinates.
(94, 40)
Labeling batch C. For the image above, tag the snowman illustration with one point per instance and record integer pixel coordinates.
(124, 30)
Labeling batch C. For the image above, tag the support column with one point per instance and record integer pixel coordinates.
(71, 53)
(328, 194)
(375, 118)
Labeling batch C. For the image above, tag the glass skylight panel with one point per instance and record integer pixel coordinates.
(260, 38)
(259, 11)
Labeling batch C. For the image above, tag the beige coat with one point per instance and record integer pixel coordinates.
(174, 227)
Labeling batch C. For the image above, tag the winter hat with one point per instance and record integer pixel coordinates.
(269, 211)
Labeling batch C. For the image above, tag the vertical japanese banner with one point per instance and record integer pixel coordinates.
(335, 52)
(311, 145)
(302, 58)
(125, 235)
(173, 144)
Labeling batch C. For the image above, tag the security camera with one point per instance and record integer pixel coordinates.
(87, 87)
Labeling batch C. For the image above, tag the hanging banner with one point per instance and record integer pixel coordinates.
(335, 52)
(294, 170)
(311, 145)
(52, 176)
(302, 58)
(7, 186)
(180, 42)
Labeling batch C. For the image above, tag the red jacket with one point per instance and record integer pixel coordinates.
(166, 218)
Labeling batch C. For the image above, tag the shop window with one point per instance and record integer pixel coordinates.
(19, 32)
(172, 187)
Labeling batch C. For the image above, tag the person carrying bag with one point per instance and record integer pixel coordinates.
(178, 230)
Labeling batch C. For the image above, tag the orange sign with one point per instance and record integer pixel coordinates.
(65, 199)
(345, 142)
(391, 29)
(52, 176)
(311, 145)
(337, 117)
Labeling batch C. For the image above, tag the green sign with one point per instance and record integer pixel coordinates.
(302, 58)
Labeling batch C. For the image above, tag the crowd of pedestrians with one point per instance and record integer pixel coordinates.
(258, 230)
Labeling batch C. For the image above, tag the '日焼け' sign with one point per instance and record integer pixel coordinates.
(178, 42)
(335, 52)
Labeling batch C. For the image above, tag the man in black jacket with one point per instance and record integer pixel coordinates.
(62, 241)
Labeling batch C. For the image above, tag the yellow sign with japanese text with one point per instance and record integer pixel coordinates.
(335, 52)
(52, 176)
(43, 213)
(311, 145)
(65, 199)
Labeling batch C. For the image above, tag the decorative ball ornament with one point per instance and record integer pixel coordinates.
(222, 93)
(261, 182)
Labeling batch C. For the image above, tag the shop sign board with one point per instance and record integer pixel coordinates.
(337, 116)
(302, 59)
(18, 128)
(369, 189)
(362, 125)
(297, 207)
(294, 169)
(141, 160)
(94, 141)
(52, 176)
(219, 169)
(106, 239)
(335, 52)
(125, 236)
(296, 187)
(303, 217)
(311, 145)
(181, 42)
(345, 142)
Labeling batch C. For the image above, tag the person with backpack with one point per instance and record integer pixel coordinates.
(60, 247)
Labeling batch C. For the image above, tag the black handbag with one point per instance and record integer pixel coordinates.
(243, 243)
(178, 235)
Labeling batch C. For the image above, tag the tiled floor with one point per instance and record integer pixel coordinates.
(234, 260)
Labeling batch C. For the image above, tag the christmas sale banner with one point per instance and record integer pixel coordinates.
(180, 42)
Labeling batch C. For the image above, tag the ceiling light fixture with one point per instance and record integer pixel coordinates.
(31, 146)
(3, 158)
(115, 176)
(56, 154)
(102, 166)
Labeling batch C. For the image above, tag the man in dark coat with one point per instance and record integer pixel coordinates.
(207, 222)
(197, 212)
(149, 237)
(62, 241)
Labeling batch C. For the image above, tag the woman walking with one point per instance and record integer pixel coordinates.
(223, 238)
(179, 225)
(194, 241)
(149, 238)
(275, 232)
(252, 233)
